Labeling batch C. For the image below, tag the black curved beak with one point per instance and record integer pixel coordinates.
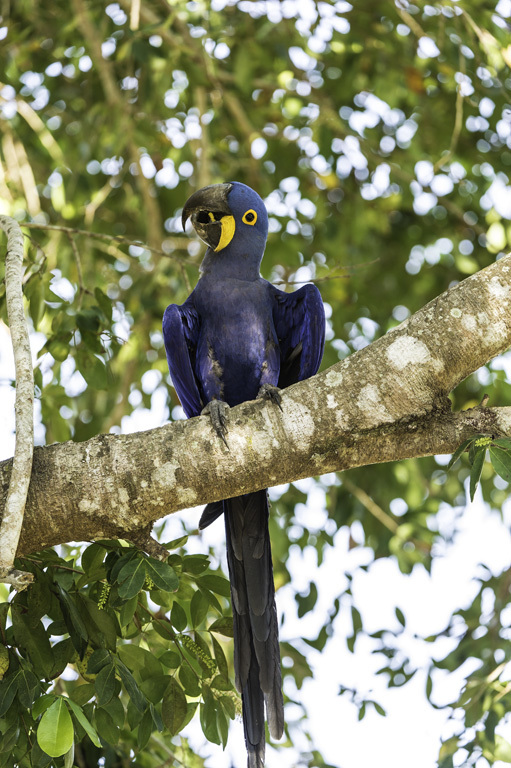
(208, 200)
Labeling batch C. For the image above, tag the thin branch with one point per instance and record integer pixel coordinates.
(372, 507)
(135, 15)
(176, 243)
(12, 519)
(458, 123)
(118, 103)
(410, 22)
(78, 263)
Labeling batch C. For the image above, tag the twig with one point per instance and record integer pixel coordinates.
(177, 243)
(458, 124)
(78, 263)
(378, 513)
(371, 506)
(117, 103)
(410, 21)
(12, 519)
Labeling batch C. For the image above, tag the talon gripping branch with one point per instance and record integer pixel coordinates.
(235, 338)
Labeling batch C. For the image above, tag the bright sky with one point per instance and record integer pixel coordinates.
(411, 732)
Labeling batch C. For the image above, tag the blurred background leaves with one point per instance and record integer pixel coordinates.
(379, 136)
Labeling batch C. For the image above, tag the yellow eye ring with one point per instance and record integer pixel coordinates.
(249, 217)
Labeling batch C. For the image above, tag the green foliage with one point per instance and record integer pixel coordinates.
(477, 447)
(137, 672)
(385, 165)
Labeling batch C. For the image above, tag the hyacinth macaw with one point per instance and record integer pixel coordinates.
(236, 338)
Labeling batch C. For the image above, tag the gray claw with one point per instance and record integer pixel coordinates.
(269, 392)
(218, 411)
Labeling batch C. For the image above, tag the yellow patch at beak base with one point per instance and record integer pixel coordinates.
(228, 227)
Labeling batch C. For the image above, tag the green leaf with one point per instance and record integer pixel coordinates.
(475, 472)
(131, 578)
(162, 574)
(501, 462)
(220, 658)
(400, 616)
(154, 687)
(461, 449)
(104, 684)
(69, 757)
(145, 729)
(33, 639)
(174, 707)
(63, 654)
(8, 689)
(176, 543)
(195, 564)
(28, 685)
(104, 303)
(106, 727)
(222, 726)
(116, 711)
(128, 611)
(39, 759)
(222, 626)
(502, 749)
(104, 624)
(139, 660)
(8, 741)
(39, 598)
(208, 718)
(198, 609)
(221, 683)
(74, 623)
(131, 686)
(88, 320)
(170, 659)
(55, 731)
(97, 660)
(189, 680)
(178, 617)
(503, 442)
(42, 703)
(37, 305)
(86, 725)
(83, 693)
(92, 560)
(114, 569)
(229, 706)
(217, 584)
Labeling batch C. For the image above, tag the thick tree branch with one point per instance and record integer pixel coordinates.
(387, 402)
(12, 518)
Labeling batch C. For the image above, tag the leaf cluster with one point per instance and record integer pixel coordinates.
(109, 649)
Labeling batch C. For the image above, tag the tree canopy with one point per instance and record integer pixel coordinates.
(379, 136)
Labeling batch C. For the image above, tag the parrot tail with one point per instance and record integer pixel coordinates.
(256, 632)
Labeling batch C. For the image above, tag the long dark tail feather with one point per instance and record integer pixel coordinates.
(256, 640)
(210, 513)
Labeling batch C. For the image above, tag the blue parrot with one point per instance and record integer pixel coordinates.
(237, 338)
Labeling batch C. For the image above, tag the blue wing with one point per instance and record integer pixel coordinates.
(181, 326)
(299, 320)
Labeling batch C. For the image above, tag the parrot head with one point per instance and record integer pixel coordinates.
(229, 214)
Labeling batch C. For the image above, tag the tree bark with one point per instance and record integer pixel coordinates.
(14, 506)
(386, 402)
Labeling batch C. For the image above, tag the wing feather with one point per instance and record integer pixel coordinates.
(181, 326)
(299, 319)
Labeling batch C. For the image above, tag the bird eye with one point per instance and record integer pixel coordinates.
(249, 217)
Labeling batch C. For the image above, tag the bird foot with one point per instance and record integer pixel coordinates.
(218, 411)
(269, 392)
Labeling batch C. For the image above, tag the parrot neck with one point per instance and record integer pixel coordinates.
(234, 263)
